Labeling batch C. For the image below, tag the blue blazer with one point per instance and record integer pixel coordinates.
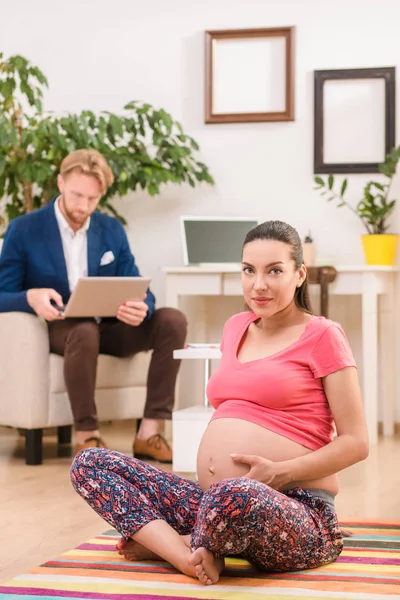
(32, 257)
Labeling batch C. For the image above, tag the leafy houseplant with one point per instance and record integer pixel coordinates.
(144, 146)
(374, 210)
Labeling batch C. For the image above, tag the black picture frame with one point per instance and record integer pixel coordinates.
(388, 74)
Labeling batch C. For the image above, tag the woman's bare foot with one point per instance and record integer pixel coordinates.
(208, 568)
(132, 550)
(346, 532)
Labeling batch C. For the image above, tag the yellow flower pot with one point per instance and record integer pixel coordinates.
(380, 249)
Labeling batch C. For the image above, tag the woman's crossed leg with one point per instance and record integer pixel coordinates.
(154, 508)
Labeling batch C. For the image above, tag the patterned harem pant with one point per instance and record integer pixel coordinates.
(274, 531)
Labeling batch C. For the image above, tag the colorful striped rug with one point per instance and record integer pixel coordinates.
(368, 569)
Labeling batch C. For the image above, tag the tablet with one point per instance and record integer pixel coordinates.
(101, 296)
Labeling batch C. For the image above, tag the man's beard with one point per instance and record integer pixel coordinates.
(77, 218)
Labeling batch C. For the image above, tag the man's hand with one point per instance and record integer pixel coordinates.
(39, 300)
(274, 474)
(132, 312)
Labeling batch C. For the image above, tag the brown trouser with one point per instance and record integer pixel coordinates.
(81, 340)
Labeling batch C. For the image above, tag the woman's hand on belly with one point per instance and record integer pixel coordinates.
(274, 474)
(224, 437)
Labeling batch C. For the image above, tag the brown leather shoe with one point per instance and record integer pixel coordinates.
(155, 447)
(92, 442)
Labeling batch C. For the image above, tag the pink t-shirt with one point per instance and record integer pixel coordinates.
(283, 392)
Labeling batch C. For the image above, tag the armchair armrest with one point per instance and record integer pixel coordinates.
(24, 370)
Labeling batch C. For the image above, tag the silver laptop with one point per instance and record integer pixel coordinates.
(101, 296)
(214, 241)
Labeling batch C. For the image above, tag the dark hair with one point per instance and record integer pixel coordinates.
(282, 232)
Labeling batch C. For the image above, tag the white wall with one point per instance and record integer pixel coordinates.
(100, 54)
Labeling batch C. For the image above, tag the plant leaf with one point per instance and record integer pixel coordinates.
(2, 165)
(144, 147)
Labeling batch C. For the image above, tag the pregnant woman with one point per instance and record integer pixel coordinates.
(268, 461)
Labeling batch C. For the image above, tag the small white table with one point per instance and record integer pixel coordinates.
(188, 427)
(206, 352)
(189, 424)
(369, 282)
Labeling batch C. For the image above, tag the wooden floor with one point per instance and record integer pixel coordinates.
(41, 516)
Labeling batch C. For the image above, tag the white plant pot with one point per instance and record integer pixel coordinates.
(309, 254)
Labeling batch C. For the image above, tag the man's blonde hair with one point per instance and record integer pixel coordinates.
(90, 162)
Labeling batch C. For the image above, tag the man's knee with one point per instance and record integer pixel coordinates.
(173, 322)
(84, 336)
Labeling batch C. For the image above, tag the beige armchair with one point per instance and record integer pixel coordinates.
(32, 389)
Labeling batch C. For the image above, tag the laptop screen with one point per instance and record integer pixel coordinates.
(208, 240)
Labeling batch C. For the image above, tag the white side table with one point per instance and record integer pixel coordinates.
(189, 424)
(204, 352)
(188, 427)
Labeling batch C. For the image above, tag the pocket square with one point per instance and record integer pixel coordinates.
(107, 258)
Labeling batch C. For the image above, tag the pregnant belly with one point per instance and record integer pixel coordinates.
(224, 437)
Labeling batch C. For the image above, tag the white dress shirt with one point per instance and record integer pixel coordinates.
(74, 246)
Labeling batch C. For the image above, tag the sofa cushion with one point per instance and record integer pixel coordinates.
(112, 372)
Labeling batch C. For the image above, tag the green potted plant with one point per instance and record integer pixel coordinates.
(144, 146)
(374, 210)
